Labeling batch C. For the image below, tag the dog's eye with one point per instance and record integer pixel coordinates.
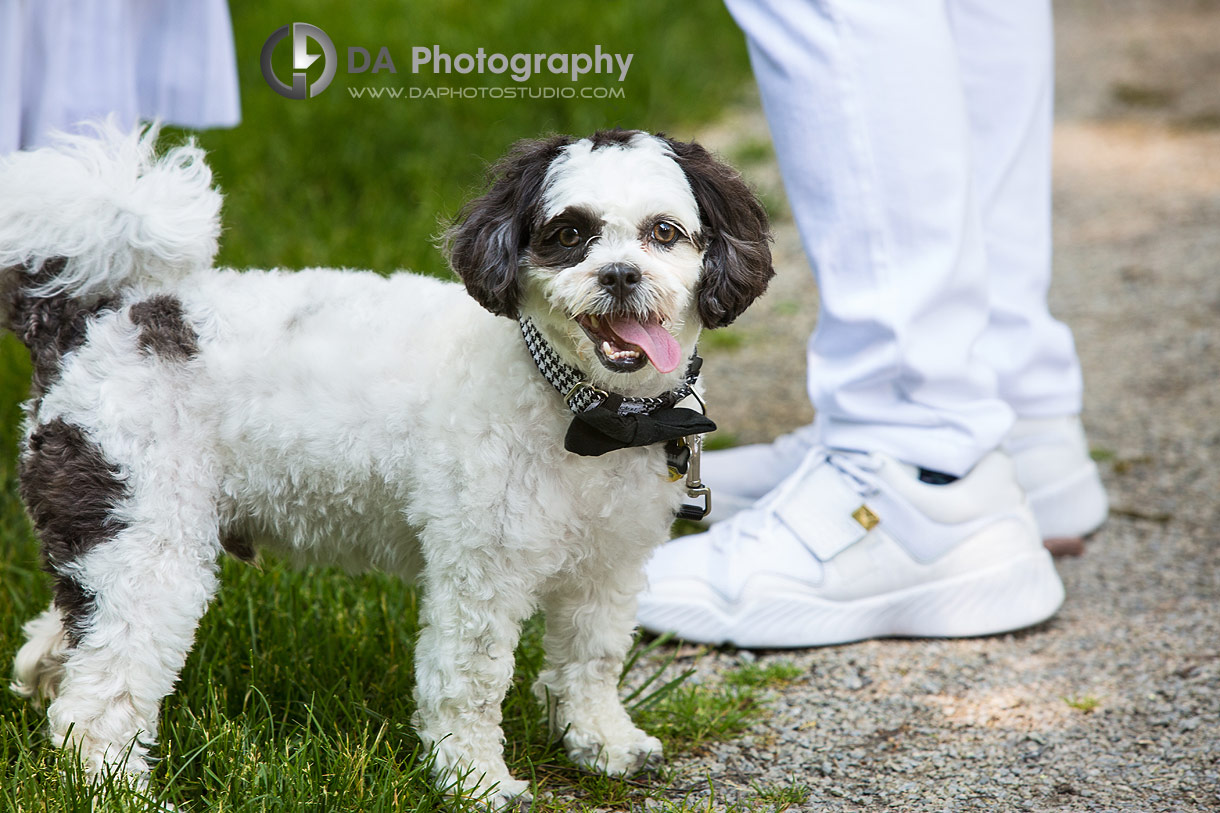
(569, 237)
(664, 232)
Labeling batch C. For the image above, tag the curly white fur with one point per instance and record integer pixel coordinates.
(120, 215)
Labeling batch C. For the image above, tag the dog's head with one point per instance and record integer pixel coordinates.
(620, 247)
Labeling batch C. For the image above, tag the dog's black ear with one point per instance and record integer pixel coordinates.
(736, 236)
(486, 241)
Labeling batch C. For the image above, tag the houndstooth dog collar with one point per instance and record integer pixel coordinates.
(580, 395)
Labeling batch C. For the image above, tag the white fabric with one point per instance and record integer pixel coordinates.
(64, 62)
(914, 140)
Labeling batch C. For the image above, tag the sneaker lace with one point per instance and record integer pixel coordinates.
(858, 469)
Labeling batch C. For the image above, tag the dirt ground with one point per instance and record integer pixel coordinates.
(1115, 703)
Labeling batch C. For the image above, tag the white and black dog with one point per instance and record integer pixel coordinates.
(180, 411)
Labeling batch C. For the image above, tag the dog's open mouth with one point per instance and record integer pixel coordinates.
(626, 343)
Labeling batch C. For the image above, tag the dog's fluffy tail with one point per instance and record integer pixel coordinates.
(108, 211)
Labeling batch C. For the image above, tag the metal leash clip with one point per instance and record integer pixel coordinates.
(694, 486)
(584, 395)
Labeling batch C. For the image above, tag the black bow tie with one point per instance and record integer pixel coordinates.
(603, 428)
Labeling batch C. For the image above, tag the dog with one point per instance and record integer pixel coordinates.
(506, 446)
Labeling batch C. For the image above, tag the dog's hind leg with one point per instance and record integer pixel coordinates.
(145, 591)
(133, 554)
(589, 623)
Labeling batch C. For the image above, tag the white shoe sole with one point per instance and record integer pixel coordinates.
(1012, 595)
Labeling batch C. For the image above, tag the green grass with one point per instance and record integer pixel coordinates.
(765, 675)
(297, 697)
(298, 693)
(782, 797)
(720, 439)
(1100, 455)
(1083, 703)
(724, 340)
(752, 152)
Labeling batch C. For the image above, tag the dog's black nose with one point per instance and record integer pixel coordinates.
(619, 279)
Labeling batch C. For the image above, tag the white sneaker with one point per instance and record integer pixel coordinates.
(742, 475)
(1064, 488)
(1051, 456)
(854, 546)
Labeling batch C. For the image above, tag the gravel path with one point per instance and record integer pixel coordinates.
(1115, 703)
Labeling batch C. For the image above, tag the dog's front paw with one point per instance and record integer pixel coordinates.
(509, 796)
(504, 795)
(643, 753)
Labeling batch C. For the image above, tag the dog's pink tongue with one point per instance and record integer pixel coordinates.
(661, 348)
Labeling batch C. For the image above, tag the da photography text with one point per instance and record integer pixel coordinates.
(310, 44)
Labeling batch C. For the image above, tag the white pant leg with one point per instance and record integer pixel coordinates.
(79, 63)
(11, 58)
(867, 111)
(187, 70)
(67, 61)
(1006, 55)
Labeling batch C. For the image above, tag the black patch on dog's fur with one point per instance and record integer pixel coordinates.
(49, 326)
(75, 605)
(736, 236)
(615, 137)
(70, 490)
(238, 545)
(164, 330)
(487, 240)
(545, 249)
